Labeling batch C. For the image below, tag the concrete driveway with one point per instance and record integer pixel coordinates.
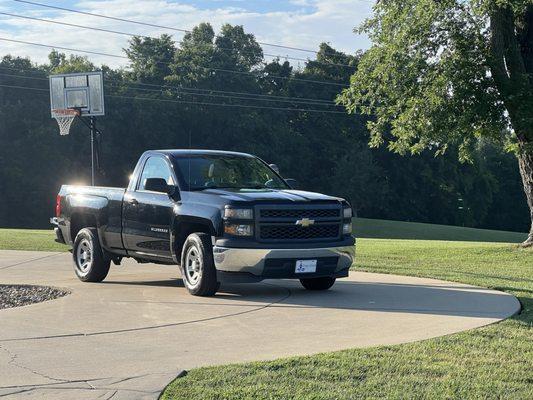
(131, 335)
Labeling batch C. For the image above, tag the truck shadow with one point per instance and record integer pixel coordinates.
(464, 301)
(175, 282)
(405, 298)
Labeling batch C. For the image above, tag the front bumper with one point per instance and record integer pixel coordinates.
(253, 265)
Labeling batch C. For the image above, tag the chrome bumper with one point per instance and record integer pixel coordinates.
(252, 261)
(59, 234)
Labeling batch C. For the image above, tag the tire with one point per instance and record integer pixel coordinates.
(197, 266)
(318, 283)
(90, 264)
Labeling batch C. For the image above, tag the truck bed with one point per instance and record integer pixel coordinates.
(110, 193)
(104, 204)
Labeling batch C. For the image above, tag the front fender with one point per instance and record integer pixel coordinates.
(188, 218)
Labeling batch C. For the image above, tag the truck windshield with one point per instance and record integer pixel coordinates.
(212, 171)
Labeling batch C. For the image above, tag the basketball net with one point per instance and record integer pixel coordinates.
(65, 118)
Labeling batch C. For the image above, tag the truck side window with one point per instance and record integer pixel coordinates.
(155, 167)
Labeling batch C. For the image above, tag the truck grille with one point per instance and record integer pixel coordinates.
(301, 213)
(288, 232)
(278, 223)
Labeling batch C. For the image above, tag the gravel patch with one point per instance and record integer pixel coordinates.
(22, 295)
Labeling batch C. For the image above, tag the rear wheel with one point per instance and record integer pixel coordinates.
(318, 283)
(90, 264)
(197, 266)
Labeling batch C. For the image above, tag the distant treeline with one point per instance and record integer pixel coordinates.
(325, 152)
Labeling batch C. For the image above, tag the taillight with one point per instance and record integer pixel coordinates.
(58, 205)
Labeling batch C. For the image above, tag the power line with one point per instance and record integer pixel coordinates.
(168, 64)
(280, 56)
(194, 102)
(231, 105)
(151, 25)
(117, 85)
(313, 100)
(233, 97)
(308, 99)
(25, 87)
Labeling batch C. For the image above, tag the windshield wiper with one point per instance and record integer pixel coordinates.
(214, 187)
(199, 189)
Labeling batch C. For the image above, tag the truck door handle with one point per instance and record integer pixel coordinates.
(133, 202)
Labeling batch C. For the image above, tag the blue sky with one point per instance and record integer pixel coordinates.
(298, 23)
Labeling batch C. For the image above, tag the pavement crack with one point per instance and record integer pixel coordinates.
(28, 261)
(10, 355)
(13, 361)
(143, 328)
(91, 386)
(17, 392)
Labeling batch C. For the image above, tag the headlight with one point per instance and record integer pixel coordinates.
(347, 228)
(347, 212)
(239, 229)
(238, 213)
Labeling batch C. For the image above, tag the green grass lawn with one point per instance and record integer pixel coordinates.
(379, 228)
(493, 362)
(29, 239)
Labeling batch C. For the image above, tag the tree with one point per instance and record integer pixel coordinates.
(446, 73)
(150, 58)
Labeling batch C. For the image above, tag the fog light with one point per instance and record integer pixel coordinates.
(239, 229)
(347, 228)
(219, 256)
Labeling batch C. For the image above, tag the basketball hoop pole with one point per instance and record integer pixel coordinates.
(95, 137)
(93, 129)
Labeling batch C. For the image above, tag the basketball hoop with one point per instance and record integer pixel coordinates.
(80, 94)
(64, 118)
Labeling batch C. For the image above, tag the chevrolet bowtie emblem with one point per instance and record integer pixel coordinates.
(305, 222)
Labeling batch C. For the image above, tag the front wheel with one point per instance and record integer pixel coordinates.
(90, 264)
(197, 265)
(318, 283)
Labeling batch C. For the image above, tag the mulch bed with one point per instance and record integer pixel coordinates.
(22, 295)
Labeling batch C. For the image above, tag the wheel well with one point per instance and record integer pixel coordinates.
(184, 231)
(80, 221)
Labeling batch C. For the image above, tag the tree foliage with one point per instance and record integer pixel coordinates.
(324, 152)
(443, 74)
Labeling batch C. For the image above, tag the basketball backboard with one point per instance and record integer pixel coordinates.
(83, 91)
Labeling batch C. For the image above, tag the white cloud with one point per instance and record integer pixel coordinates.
(314, 22)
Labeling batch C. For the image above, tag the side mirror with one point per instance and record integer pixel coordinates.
(293, 183)
(274, 167)
(156, 185)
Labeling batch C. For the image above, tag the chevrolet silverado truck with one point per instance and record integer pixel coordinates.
(220, 216)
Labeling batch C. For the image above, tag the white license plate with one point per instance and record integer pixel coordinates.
(305, 266)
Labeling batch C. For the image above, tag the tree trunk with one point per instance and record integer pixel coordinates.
(525, 162)
(511, 64)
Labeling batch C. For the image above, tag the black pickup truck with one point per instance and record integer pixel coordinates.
(221, 216)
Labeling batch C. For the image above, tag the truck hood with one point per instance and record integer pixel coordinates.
(270, 195)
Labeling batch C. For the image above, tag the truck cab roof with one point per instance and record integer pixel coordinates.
(199, 152)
